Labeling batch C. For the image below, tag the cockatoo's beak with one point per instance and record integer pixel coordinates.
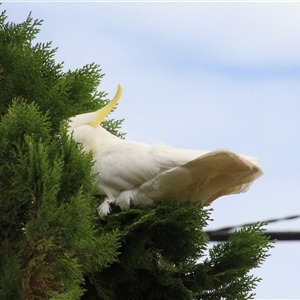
(103, 112)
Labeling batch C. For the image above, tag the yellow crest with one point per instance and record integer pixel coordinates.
(103, 112)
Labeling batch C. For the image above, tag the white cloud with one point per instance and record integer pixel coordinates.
(226, 36)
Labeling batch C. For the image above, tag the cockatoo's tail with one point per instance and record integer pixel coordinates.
(132, 172)
(103, 112)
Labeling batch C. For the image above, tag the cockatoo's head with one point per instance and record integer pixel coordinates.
(84, 128)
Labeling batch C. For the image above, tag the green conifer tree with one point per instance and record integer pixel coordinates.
(49, 237)
(52, 243)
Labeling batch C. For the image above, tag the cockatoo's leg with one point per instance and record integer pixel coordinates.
(123, 199)
(104, 207)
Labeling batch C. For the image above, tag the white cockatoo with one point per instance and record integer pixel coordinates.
(142, 174)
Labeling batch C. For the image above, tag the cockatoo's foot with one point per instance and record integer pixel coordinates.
(123, 200)
(104, 208)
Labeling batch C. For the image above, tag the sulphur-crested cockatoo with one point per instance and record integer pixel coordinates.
(142, 174)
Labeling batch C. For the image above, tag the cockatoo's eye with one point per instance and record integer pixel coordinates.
(103, 112)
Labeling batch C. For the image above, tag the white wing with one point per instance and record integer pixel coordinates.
(144, 173)
(123, 165)
(203, 179)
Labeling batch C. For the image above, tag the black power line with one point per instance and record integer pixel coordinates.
(220, 235)
(216, 236)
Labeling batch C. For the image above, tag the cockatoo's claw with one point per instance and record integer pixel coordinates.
(104, 208)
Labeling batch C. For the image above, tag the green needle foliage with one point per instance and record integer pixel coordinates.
(52, 243)
(163, 257)
(49, 236)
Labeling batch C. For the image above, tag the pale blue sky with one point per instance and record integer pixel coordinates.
(201, 76)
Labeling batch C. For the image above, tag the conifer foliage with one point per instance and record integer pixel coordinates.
(52, 243)
(48, 231)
